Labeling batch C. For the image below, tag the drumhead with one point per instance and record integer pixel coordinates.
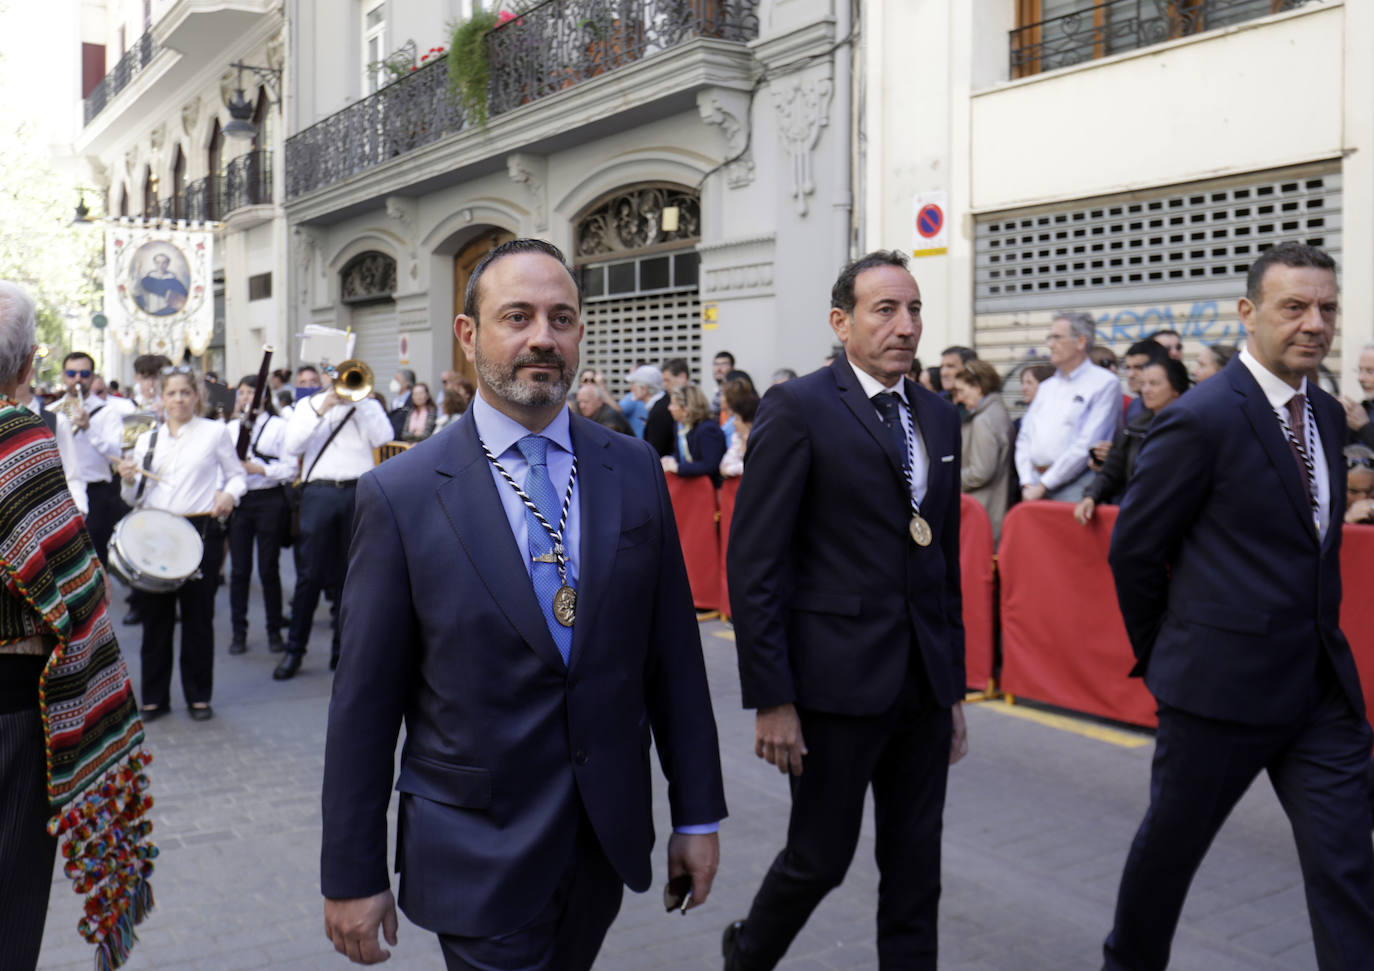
(158, 544)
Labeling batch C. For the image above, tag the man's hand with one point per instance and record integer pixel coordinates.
(1098, 454)
(127, 469)
(697, 854)
(1030, 493)
(254, 468)
(778, 738)
(1360, 511)
(1355, 415)
(352, 926)
(327, 400)
(223, 505)
(1083, 512)
(82, 421)
(958, 744)
(669, 463)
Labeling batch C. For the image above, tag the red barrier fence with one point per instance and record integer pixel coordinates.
(1357, 607)
(1063, 640)
(694, 508)
(976, 568)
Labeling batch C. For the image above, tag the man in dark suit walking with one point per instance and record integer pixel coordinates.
(516, 593)
(1226, 555)
(844, 581)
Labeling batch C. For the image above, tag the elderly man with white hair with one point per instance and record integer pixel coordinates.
(1359, 415)
(1079, 405)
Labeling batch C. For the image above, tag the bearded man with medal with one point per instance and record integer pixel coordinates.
(844, 582)
(515, 593)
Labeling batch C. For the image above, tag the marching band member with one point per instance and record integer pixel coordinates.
(185, 454)
(261, 516)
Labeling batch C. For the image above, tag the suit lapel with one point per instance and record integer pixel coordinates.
(598, 505)
(852, 394)
(467, 494)
(1268, 430)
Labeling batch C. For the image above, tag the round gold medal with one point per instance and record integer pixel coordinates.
(920, 531)
(565, 604)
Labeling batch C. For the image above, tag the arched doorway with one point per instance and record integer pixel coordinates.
(641, 298)
(464, 262)
(367, 286)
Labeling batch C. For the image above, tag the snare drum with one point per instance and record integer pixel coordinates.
(155, 551)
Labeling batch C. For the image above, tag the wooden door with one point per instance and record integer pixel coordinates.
(464, 262)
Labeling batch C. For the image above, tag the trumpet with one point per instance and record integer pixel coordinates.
(69, 405)
(353, 379)
(134, 426)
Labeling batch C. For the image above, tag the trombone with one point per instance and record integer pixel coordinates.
(353, 379)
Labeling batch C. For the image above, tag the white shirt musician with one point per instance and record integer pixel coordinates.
(185, 455)
(349, 455)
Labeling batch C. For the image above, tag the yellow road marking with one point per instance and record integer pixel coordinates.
(1065, 723)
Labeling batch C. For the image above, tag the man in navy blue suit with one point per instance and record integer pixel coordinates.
(844, 581)
(1226, 556)
(516, 594)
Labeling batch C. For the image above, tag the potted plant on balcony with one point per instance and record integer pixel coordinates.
(469, 74)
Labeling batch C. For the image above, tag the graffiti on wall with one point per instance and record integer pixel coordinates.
(1202, 322)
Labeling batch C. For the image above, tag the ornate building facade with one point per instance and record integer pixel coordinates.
(691, 158)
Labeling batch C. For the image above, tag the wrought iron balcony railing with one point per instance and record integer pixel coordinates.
(560, 43)
(248, 181)
(552, 46)
(1115, 26)
(203, 200)
(135, 59)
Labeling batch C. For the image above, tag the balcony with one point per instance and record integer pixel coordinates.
(1117, 26)
(545, 51)
(248, 181)
(135, 59)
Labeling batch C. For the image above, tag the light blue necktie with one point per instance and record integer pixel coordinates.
(539, 488)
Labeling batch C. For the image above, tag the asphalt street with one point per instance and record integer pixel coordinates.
(1037, 824)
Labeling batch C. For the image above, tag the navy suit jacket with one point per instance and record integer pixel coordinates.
(1227, 594)
(505, 747)
(831, 597)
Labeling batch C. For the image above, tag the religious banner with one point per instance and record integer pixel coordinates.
(159, 291)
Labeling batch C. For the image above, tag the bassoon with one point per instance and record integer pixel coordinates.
(250, 418)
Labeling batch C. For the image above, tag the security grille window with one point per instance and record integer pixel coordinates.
(1182, 243)
(640, 279)
(260, 286)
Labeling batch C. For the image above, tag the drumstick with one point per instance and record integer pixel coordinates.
(143, 472)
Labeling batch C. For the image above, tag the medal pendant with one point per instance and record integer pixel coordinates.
(565, 605)
(920, 531)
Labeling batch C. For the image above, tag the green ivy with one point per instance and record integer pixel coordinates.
(468, 71)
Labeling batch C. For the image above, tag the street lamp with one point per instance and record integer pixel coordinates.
(241, 109)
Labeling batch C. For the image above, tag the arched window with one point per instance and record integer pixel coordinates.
(262, 121)
(124, 200)
(149, 194)
(179, 185)
(214, 166)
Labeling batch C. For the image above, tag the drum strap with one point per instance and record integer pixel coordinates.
(332, 435)
(147, 467)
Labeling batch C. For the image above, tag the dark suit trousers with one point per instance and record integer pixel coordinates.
(106, 509)
(26, 850)
(566, 934)
(197, 601)
(326, 527)
(261, 519)
(904, 755)
(1201, 769)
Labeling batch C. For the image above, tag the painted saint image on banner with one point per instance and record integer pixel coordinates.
(161, 277)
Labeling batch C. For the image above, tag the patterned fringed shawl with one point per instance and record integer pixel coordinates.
(95, 778)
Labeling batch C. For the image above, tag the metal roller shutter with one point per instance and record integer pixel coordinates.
(375, 326)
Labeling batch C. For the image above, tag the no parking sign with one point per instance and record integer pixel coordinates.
(930, 219)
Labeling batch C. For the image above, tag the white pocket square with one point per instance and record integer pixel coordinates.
(946, 458)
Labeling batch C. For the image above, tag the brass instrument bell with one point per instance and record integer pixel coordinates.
(353, 379)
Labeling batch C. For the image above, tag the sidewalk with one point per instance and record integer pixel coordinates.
(1037, 825)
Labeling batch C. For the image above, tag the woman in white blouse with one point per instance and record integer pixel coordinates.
(189, 455)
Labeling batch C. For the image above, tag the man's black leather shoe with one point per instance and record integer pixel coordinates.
(728, 942)
(288, 667)
(239, 645)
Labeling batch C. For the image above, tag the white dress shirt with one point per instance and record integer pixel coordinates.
(190, 465)
(267, 447)
(1068, 416)
(1277, 391)
(920, 460)
(350, 454)
(97, 445)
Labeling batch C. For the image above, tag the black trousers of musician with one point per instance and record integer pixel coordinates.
(904, 755)
(260, 520)
(567, 932)
(1319, 768)
(326, 526)
(197, 601)
(26, 850)
(106, 509)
